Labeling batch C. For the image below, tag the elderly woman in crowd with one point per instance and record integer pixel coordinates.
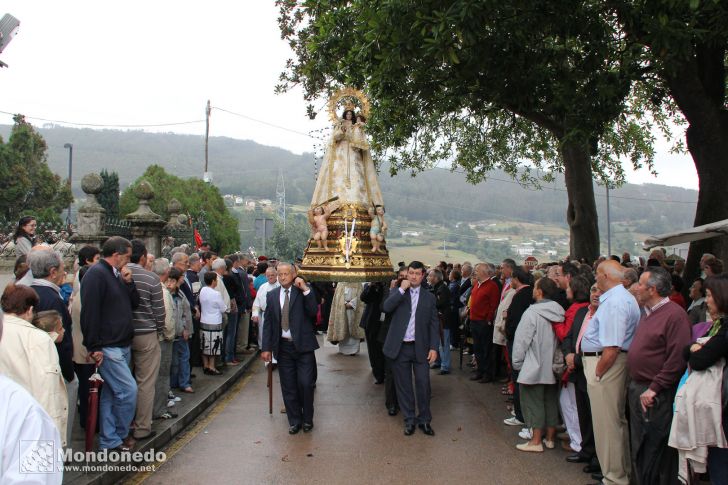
(29, 357)
(698, 309)
(24, 236)
(533, 354)
(701, 356)
(212, 308)
(577, 293)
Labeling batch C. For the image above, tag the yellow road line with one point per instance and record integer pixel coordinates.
(190, 434)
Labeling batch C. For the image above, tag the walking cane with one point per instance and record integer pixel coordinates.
(269, 365)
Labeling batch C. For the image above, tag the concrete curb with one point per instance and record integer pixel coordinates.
(166, 430)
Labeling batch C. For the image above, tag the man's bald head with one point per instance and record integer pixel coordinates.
(609, 275)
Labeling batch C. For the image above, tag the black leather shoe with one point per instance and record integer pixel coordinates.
(444, 372)
(392, 411)
(427, 429)
(577, 458)
(592, 469)
(597, 476)
(294, 429)
(476, 377)
(307, 427)
(486, 380)
(409, 429)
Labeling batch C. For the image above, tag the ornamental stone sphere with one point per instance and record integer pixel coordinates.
(174, 206)
(144, 190)
(92, 183)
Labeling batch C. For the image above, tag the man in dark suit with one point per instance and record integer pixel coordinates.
(288, 334)
(411, 344)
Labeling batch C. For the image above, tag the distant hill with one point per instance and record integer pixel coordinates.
(436, 196)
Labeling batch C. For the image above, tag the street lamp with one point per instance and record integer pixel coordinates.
(70, 171)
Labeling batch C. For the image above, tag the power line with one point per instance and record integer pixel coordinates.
(111, 125)
(264, 122)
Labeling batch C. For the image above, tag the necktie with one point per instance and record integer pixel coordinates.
(284, 312)
(582, 330)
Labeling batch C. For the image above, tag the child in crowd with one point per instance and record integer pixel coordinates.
(50, 321)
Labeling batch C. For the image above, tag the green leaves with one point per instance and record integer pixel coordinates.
(27, 185)
(195, 196)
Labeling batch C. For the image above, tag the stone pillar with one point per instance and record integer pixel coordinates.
(145, 223)
(90, 218)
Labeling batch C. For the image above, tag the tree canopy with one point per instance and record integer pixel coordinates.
(533, 88)
(27, 185)
(195, 196)
(289, 243)
(685, 45)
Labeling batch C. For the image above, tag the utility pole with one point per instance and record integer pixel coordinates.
(281, 196)
(206, 177)
(609, 227)
(70, 172)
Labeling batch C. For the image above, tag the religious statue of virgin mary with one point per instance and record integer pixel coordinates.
(346, 195)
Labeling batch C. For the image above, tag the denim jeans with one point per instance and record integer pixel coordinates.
(230, 336)
(445, 357)
(179, 374)
(117, 404)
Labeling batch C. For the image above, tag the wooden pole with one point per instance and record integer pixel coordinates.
(269, 365)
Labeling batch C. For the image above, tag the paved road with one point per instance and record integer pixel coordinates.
(355, 441)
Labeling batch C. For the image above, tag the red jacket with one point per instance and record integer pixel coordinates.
(484, 300)
(561, 329)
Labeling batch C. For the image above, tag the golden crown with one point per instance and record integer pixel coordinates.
(351, 98)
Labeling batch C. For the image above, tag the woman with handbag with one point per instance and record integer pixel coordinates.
(534, 347)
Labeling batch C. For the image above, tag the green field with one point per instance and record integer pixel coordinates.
(428, 254)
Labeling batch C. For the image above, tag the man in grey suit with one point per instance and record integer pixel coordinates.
(411, 345)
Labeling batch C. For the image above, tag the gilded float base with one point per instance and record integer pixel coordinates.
(362, 264)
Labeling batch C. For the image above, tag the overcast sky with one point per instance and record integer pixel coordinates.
(153, 62)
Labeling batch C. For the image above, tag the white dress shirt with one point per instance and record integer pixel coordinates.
(409, 335)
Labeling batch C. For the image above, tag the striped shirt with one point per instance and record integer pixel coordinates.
(149, 316)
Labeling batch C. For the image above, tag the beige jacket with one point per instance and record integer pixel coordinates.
(499, 335)
(80, 354)
(697, 422)
(29, 357)
(170, 325)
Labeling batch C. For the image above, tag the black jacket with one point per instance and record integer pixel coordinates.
(427, 325)
(51, 300)
(372, 294)
(568, 346)
(106, 313)
(520, 303)
(442, 296)
(301, 316)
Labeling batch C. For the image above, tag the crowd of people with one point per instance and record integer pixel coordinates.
(612, 353)
(619, 362)
(143, 323)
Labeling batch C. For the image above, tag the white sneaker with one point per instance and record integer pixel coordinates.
(513, 421)
(526, 433)
(170, 395)
(170, 403)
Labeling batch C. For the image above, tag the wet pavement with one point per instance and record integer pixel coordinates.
(354, 440)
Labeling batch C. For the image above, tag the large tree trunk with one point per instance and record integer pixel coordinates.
(581, 213)
(698, 87)
(708, 146)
